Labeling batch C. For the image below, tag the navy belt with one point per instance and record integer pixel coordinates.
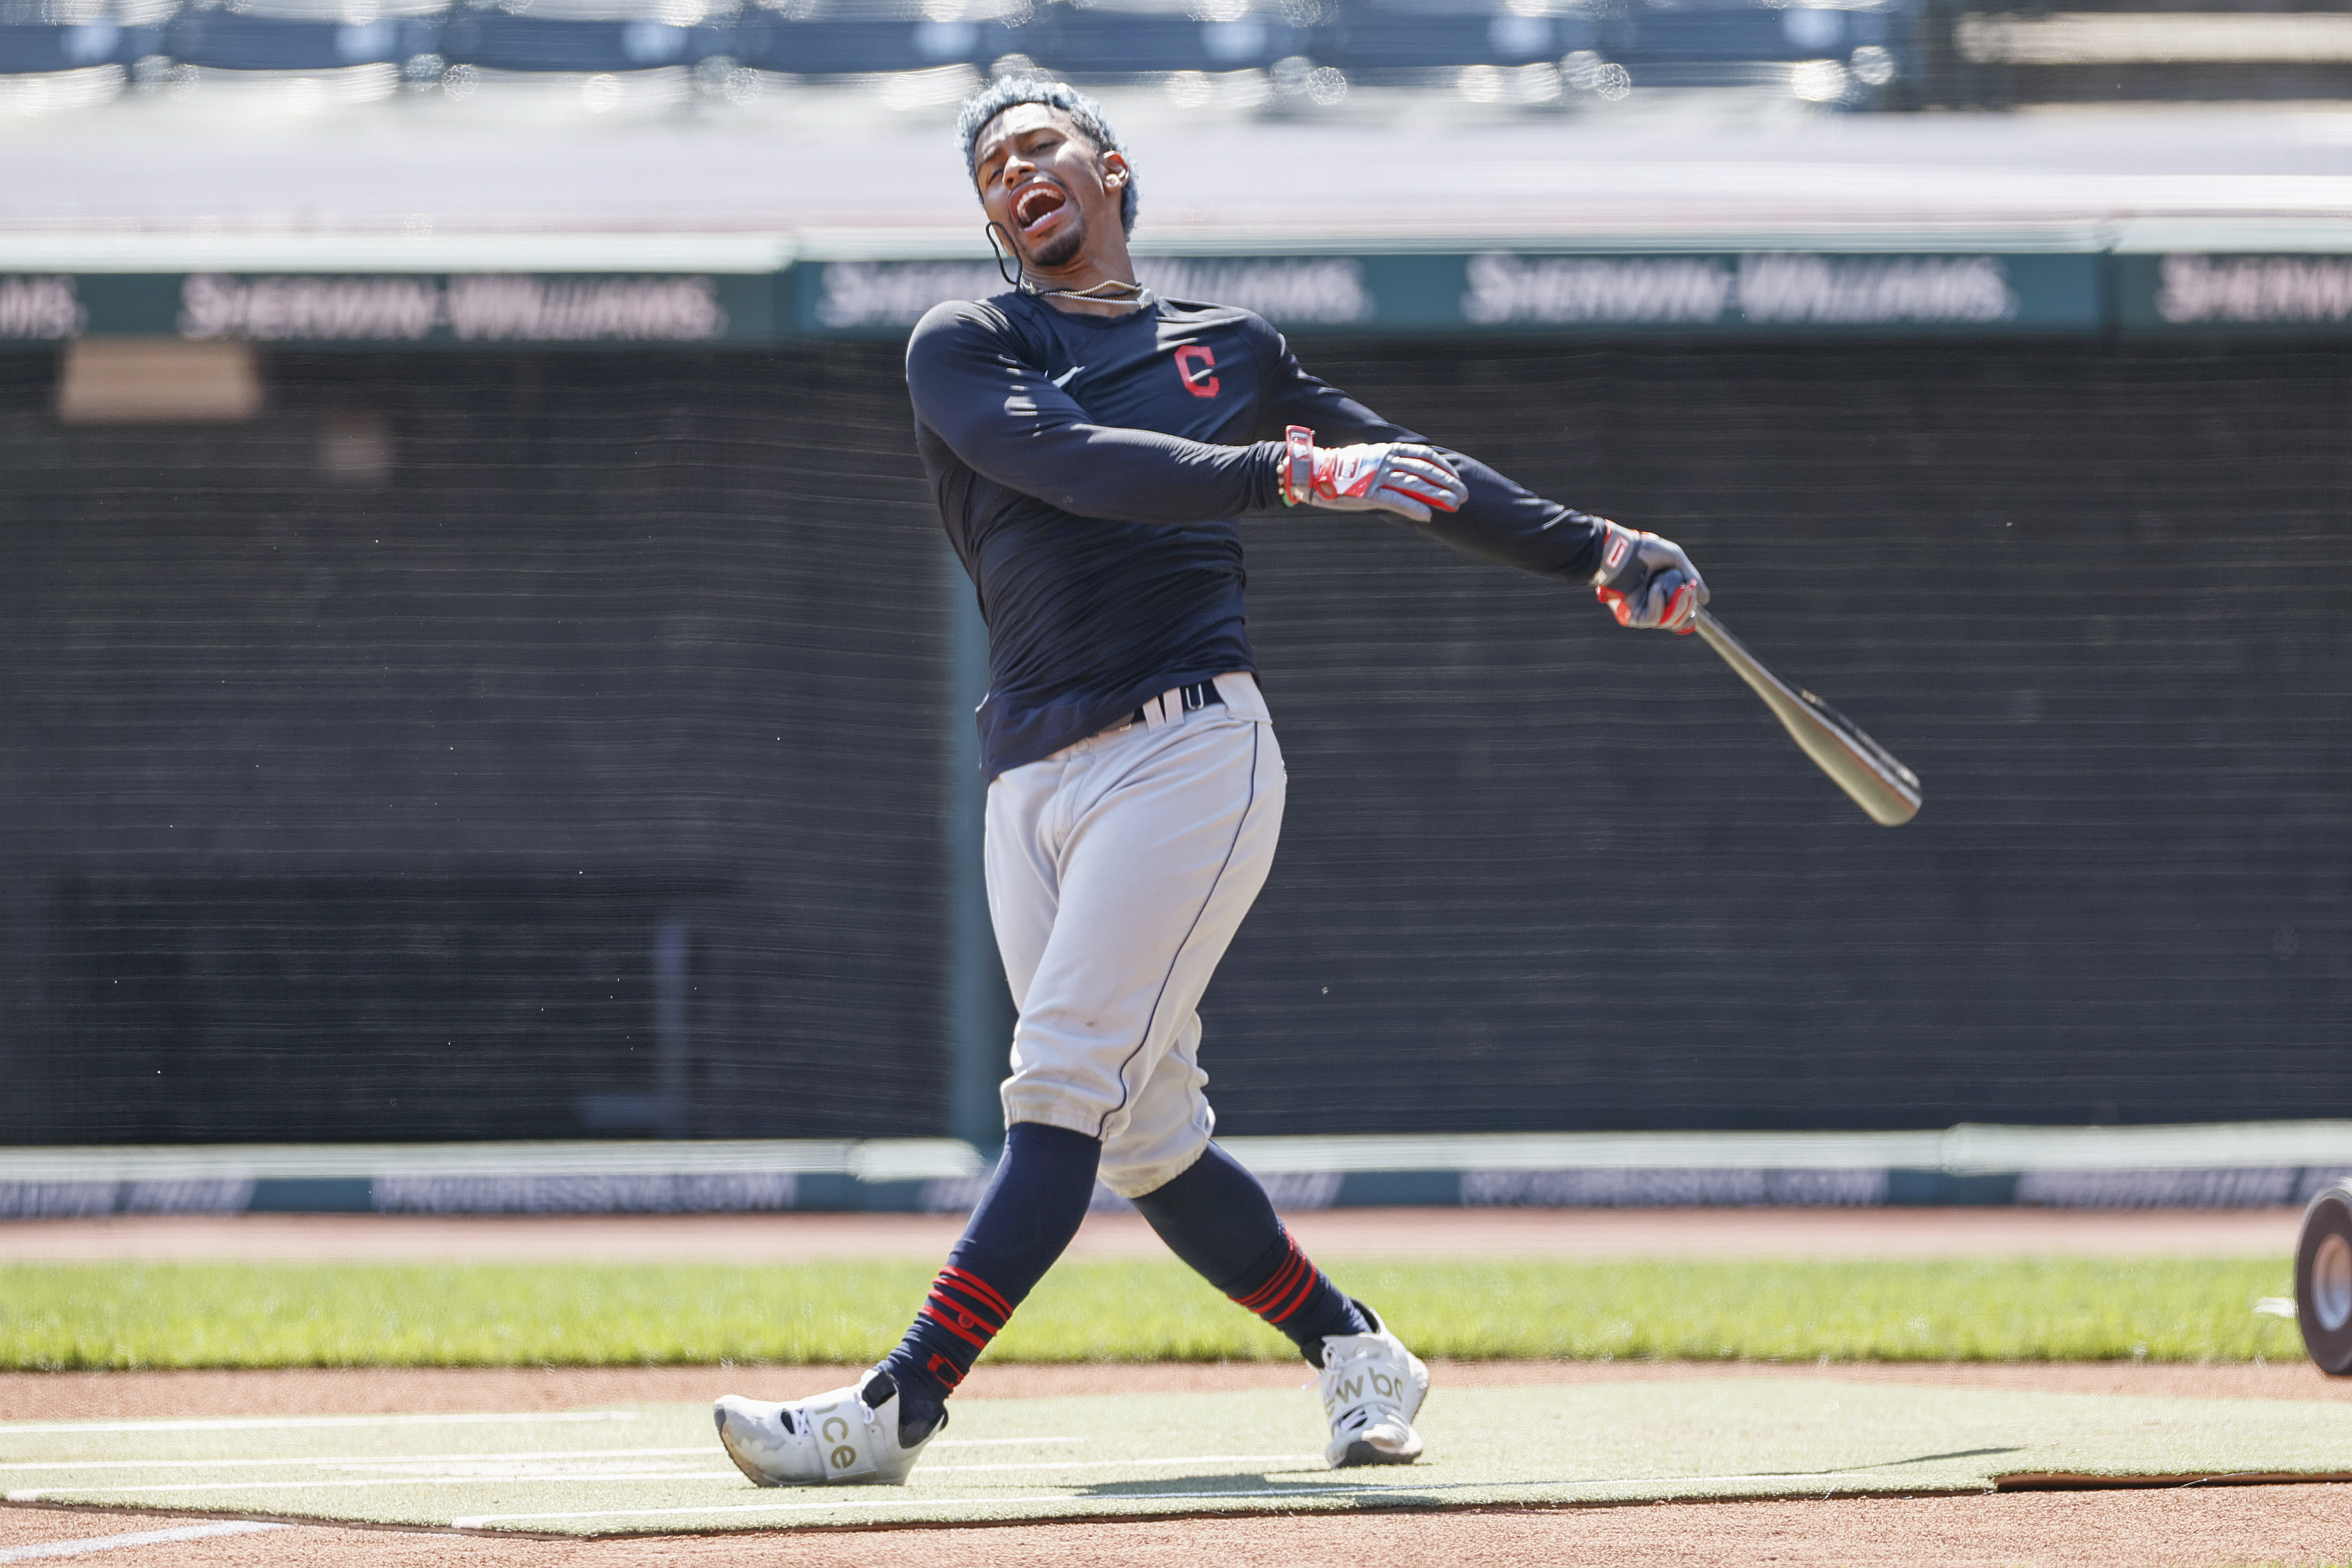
(1199, 695)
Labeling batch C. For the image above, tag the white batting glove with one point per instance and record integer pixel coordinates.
(1401, 477)
(1647, 582)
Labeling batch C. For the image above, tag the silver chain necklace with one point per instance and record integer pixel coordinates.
(1109, 291)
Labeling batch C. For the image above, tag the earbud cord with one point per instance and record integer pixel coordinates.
(1110, 290)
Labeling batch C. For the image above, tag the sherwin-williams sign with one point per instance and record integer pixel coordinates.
(2205, 292)
(481, 309)
(1496, 292)
(1766, 291)
(886, 297)
(1780, 292)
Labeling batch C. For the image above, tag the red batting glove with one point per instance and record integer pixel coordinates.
(1402, 476)
(1646, 580)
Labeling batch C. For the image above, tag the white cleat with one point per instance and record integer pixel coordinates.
(832, 1438)
(1372, 1388)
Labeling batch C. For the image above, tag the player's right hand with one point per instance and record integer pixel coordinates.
(1646, 580)
(1402, 476)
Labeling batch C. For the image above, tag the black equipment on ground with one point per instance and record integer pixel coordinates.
(2323, 1281)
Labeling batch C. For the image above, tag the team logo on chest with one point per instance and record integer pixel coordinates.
(1195, 366)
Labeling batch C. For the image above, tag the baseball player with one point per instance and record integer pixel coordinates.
(1091, 446)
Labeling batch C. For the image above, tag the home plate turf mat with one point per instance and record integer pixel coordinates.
(651, 1469)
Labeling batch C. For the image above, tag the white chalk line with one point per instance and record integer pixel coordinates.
(702, 1448)
(493, 1469)
(299, 1423)
(90, 1543)
(48, 1466)
(484, 1520)
(1114, 1464)
(38, 1494)
(999, 1442)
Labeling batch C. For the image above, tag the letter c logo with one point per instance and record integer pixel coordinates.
(1194, 361)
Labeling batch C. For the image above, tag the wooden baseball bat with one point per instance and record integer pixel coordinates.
(1859, 766)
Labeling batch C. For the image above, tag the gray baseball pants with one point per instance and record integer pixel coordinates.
(1118, 870)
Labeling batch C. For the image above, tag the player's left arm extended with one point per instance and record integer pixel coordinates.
(1644, 580)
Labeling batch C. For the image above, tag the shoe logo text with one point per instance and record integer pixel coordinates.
(835, 1430)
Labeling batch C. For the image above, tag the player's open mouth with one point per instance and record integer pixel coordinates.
(1037, 204)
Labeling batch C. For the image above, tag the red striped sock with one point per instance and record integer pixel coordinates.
(961, 1314)
(1296, 1298)
(956, 1322)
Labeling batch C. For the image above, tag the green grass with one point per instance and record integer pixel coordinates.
(54, 1316)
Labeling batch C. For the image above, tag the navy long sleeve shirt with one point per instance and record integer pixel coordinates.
(1091, 471)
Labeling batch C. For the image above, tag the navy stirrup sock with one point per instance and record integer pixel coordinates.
(1033, 1207)
(1218, 1219)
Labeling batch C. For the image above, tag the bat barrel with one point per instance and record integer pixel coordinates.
(1867, 771)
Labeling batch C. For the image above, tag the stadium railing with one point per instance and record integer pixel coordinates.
(623, 38)
(1083, 43)
(2000, 55)
(1375, 44)
(765, 39)
(225, 39)
(28, 49)
(1847, 53)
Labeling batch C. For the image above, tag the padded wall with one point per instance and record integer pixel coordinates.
(362, 762)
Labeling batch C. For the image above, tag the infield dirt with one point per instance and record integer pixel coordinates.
(2233, 1526)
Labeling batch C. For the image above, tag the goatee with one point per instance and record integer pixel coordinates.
(1061, 247)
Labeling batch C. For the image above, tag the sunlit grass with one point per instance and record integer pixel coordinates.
(339, 1314)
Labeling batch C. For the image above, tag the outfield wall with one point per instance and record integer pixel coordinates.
(525, 743)
(2209, 1166)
